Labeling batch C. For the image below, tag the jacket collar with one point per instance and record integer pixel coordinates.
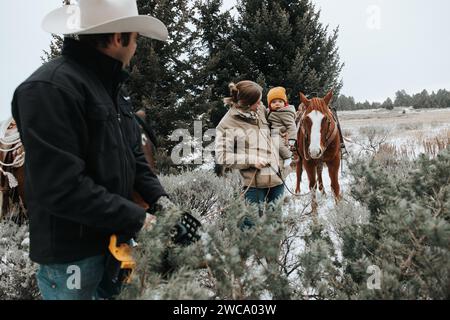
(109, 70)
(244, 114)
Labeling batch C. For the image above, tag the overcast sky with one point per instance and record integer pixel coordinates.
(386, 45)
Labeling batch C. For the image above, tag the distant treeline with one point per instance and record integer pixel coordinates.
(440, 99)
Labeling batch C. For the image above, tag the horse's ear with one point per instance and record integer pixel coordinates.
(304, 100)
(328, 97)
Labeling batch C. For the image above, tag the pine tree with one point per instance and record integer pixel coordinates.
(388, 104)
(55, 45)
(402, 99)
(422, 100)
(213, 55)
(443, 99)
(160, 71)
(345, 103)
(283, 43)
(270, 42)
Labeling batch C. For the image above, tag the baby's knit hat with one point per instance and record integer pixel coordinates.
(277, 93)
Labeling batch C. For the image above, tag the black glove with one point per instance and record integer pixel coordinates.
(185, 231)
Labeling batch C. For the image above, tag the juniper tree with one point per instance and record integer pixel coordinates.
(227, 263)
(408, 236)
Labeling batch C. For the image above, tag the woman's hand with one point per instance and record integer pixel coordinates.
(262, 163)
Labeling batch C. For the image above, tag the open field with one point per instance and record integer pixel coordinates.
(409, 131)
(398, 123)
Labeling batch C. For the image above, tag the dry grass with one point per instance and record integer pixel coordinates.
(434, 145)
(347, 133)
(414, 126)
(390, 152)
(393, 135)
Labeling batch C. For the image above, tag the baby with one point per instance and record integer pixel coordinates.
(281, 117)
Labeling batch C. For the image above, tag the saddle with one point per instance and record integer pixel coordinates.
(12, 158)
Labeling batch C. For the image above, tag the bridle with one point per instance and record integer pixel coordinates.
(10, 144)
(329, 137)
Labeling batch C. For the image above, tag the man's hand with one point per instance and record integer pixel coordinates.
(185, 230)
(150, 220)
(164, 204)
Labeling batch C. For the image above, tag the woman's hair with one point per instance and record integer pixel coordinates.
(243, 94)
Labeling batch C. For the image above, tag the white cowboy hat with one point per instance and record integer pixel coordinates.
(103, 16)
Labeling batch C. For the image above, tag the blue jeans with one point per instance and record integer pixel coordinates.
(267, 195)
(78, 280)
(261, 196)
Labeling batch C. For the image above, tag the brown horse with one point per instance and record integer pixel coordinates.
(149, 141)
(14, 196)
(149, 145)
(12, 173)
(318, 143)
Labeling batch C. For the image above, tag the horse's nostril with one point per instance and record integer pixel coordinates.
(315, 153)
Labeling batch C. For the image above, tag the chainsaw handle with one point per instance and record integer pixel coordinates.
(122, 252)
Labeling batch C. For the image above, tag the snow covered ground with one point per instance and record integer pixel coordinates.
(405, 128)
(410, 130)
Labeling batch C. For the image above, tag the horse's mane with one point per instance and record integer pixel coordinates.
(319, 105)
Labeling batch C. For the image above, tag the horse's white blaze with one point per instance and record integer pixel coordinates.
(314, 147)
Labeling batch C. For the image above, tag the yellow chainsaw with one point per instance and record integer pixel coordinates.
(120, 263)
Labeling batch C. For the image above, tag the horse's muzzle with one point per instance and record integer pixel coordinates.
(315, 153)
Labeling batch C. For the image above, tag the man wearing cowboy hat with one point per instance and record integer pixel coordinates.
(83, 156)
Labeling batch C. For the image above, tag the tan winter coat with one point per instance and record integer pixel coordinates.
(282, 121)
(242, 138)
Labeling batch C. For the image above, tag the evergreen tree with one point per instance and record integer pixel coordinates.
(271, 42)
(55, 45)
(283, 43)
(213, 59)
(264, 42)
(408, 232)
(402, 99)
(345, 103)
(388, 104)
(443, 99)
(422, 100)
(160, 71)
(366, 105)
